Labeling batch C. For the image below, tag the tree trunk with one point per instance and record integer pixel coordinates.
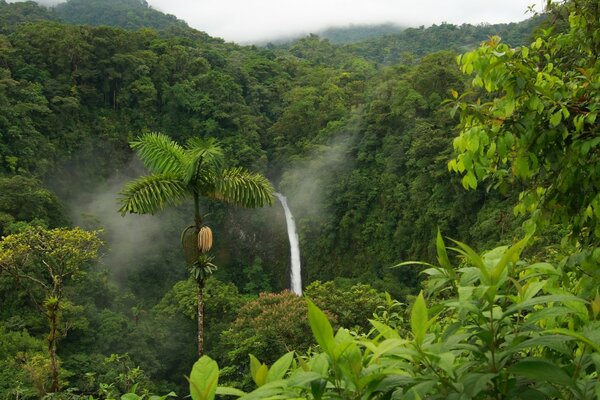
(52, 339)
(200, 318)
(200, 305)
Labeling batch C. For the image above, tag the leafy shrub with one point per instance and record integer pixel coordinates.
(498, 327)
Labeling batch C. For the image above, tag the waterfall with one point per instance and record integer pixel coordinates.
(295, 276)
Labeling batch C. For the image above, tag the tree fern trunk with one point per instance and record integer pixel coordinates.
(200, 318)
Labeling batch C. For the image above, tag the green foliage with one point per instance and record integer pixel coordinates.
(506, 329)
(373, 140)
(403, 46)
(350, 305)
(128, 14)
(535, 121)
(270, 325)
(24, 200)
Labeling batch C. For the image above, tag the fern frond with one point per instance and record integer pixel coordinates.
(243, 188)
(151, 193)
(159, 153)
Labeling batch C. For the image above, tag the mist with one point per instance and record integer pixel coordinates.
(260, 21)
(131, 239)
(307, 183)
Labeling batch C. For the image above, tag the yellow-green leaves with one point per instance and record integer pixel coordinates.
(321, 328)
(595, 305)
(204, 379)
(419, 321)
(258, 371)
(262, 374)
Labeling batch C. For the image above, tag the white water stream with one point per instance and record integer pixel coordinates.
(295, 273)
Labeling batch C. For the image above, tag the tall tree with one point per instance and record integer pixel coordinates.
(179, 173)
(42, 262)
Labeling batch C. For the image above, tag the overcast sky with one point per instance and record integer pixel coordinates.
(245, 21)
(252, 21)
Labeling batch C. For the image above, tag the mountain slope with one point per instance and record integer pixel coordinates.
(13, 14)
(127, 14)
(391, 49)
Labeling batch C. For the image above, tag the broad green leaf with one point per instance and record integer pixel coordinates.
(386, 331)
(539, 341)
(474, 383)
(303, 378)
(261, 375)
(204, 379)
(541, 300)
(321, 328)
(280, 367)
(320, 364)
(254, 366)
(386, 347)
(266, 391)
(556, 118)
(229, 391)
(419, 319)
(578, 336)
(130, 396)
(543, 370)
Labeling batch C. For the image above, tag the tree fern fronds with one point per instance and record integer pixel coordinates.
(240, 187)
(159, 153)
(205, 154)
(151, 193)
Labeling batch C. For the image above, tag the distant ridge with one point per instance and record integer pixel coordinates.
(126, 14)
(358, 33)
(392, 48)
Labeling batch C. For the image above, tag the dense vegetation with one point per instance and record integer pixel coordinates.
(359, 138)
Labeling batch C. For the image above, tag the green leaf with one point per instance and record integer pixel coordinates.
(254, 366)
(130, 396)
(578, 336)
(469, 181)
(541, 300)
(204, 379)
(474, 259)
(229, 391)
(280, 367)
(258, 371)
(556, 118)
(266, 391)
(510, 256)
(321, 328)
(386, 331)
(261, 375)
(303, 378)
(474, 383)
(442, 254)
(541, 370)
(419, 319)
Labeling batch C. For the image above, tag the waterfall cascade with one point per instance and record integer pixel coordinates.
(295, 272)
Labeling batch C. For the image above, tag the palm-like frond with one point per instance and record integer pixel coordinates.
(243, 188)
(159, 153)
(202, 156)
(151, 193)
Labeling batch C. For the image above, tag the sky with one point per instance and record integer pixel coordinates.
(256, 21)
(248, 21)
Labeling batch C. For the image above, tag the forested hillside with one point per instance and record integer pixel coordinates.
(357, 136)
